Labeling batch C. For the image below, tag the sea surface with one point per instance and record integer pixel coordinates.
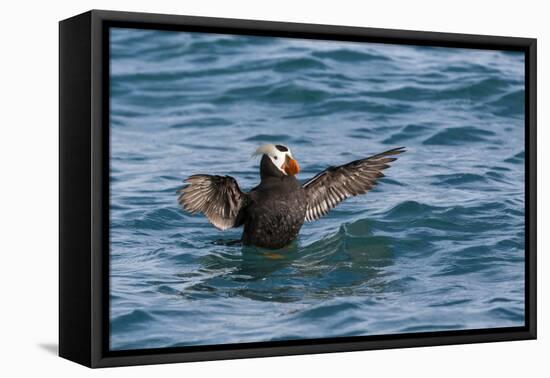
(437, 245)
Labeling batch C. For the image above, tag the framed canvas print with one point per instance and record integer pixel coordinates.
(234, 188)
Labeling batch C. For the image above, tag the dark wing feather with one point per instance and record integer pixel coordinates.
(335, 184)
(217, 197)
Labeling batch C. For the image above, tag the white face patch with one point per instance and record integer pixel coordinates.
(277, 154)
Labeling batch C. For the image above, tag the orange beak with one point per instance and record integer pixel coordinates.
(291, 166)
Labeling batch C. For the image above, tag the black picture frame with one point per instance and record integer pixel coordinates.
(84, 188)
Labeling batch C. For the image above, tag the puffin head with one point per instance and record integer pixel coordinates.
(279, 157)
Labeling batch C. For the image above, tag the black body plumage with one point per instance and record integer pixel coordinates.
(276, 209)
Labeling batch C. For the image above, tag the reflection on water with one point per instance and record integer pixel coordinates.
(438, 245)
(345, 262)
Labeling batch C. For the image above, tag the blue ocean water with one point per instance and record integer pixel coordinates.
(437, 245)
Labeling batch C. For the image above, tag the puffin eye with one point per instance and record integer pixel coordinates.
(275, 157)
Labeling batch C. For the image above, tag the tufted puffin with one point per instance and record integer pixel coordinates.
(273, 212)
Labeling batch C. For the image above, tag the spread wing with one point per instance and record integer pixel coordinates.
(335, 184)
(217, 197)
